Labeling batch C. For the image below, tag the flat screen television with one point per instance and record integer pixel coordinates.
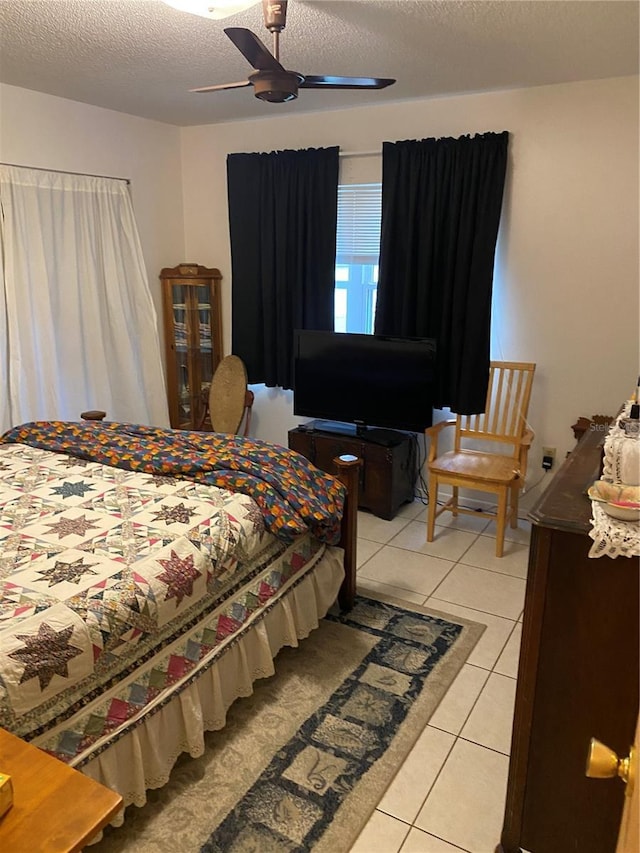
(364, 381)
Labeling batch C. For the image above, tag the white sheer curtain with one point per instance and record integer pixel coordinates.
(78, 328)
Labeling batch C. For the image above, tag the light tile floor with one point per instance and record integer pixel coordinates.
(449, 794)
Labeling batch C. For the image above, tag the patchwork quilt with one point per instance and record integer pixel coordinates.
(118, 586)
(293, 495)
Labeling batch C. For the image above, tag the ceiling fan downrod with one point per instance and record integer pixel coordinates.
(275, 20)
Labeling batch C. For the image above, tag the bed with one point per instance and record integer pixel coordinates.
(148, 577)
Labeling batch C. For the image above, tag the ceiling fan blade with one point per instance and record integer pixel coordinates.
(222, 86)
(253, 49)
(325, 81)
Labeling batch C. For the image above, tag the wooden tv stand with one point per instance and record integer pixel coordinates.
(386, 475)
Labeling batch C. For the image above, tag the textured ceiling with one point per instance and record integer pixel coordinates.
(141, 56)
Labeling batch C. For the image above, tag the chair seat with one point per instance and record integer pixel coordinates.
(475, 465)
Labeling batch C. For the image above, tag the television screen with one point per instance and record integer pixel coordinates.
(366, 380)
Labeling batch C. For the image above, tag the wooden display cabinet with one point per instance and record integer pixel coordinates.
(193, 340)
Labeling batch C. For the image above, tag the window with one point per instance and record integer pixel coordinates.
(357, 251)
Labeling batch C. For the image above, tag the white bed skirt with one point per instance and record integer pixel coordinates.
(143, 758)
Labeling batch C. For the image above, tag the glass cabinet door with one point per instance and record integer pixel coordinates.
(181, 354)
(193, 343)
(203, 350)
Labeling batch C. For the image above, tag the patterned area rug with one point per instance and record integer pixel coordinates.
(303, 762)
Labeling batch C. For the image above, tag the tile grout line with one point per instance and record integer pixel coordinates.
(439, 837)
(489, 672)
(458, 736)
(435, 779)
(484, 746)
(515, 677)
(458, 561)
(424, 603)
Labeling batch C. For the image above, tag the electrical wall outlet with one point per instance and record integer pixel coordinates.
(548, 457)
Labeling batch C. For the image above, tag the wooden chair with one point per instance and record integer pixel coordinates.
(501, 471)
(229, 402)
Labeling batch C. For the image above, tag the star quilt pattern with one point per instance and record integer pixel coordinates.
(116, 587)
(293, 495)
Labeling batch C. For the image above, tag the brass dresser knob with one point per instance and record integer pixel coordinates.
(603, 763)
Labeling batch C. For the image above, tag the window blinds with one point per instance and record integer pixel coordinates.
(358, 233)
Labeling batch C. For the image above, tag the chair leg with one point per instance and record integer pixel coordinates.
(515, 495)
(501, 520)
(431, 509)
(454, 501)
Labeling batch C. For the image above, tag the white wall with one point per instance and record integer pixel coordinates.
(54, 133)
(567, 289)
(566, 293)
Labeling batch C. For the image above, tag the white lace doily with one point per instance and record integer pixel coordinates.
(621, 460)
(611, 536)
(621, 463)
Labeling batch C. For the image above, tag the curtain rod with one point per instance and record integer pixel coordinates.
(360, 153)
(128, 180)
(65, 172)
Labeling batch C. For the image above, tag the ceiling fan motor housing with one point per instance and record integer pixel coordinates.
(276, 87)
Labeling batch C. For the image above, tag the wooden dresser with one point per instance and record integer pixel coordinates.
(577, 677)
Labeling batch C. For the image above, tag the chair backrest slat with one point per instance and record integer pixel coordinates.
(513, 423)
(496, 405)
(505, 416)
(482, 419)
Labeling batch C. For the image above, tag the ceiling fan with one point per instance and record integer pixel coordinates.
(271, 81)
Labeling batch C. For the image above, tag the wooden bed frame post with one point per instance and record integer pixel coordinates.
(348, 473)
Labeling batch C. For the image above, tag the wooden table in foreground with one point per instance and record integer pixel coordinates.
(56, 809)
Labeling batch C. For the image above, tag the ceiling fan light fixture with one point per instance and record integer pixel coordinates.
(274, 87)
(216, 9)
